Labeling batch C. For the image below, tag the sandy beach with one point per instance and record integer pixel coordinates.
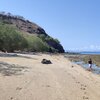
(26, 78)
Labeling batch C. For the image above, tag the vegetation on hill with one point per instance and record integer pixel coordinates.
(19, 34)
(11, 40)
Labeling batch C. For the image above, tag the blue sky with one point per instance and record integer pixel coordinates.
(76, 23)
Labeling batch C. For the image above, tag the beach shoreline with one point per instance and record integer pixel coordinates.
(29, 79)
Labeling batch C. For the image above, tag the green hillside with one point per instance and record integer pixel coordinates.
(18, 34)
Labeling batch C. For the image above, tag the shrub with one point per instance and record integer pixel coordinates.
(10, 39)
(36, 44)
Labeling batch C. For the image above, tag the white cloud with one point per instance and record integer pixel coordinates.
(92, 47)
(87, 48)
(95, 47)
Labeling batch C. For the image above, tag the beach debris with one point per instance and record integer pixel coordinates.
(45, 61)
(72, 66)
(84, 97)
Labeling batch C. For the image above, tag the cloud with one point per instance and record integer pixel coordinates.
(87, 48)
(92, 48)
(95, 47)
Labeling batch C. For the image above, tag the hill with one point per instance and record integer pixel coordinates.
(32, 36)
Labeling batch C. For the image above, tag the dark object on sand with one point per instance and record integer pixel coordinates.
(45, 61)
(72, 66)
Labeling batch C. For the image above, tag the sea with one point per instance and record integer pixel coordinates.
(95, 69)
(92, 53)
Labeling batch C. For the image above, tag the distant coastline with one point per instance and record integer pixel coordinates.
(84, 52)
(90, 52)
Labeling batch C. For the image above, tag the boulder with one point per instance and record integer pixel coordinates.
(45, 61)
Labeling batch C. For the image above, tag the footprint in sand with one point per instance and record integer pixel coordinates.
(18, 88)
(78, 82)
(11, 98)
(85, 98)
(85, 92)
(73, 77)
(83, 87)
(46, 86)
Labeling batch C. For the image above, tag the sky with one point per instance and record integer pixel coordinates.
(75, 23)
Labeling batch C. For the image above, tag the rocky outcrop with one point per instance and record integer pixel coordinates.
(22, 24)
(56, 45)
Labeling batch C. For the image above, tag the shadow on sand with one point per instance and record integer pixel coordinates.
(16, 55)
(11, 69)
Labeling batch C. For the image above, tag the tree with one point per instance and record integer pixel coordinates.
(11, 40)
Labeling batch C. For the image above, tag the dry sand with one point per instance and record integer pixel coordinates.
(35, 81)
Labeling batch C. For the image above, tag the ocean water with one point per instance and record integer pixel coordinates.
(93, 53)
(95, 69)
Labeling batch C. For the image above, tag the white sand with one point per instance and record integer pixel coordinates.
(57, 81)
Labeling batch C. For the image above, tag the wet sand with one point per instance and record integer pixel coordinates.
(25, 78)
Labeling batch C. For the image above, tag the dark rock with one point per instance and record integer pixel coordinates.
(56, 46)
(45, 61)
